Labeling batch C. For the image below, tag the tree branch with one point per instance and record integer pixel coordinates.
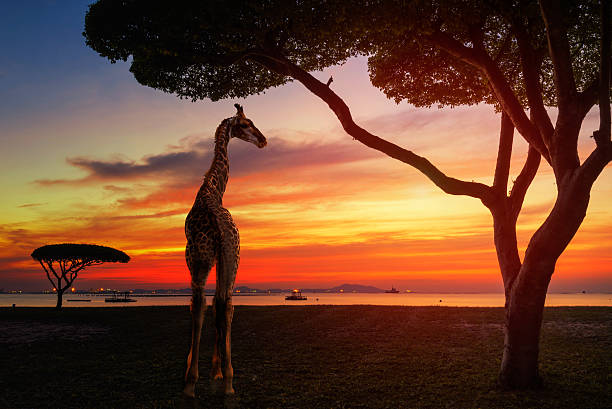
(73, 262)
(588, 97)
(477, 36)
(523, 181)
(505, 46)
(603, 135)
(602, 155)
(68, 283)
(504, 153)
(277, 62)
(559, 49)
(225, 59)
(508, 101)
(47, 271)
(79, 268)
(595, 163)
(50, 265)
(531, 68)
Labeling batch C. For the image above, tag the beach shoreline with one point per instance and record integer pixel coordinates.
(403, 299)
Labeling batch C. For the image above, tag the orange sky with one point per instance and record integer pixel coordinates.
(314, 208)
(107, 161)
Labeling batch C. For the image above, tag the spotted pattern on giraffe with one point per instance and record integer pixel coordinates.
(213, 239)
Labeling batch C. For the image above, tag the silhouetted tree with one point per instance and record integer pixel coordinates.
(71, 259)
(521, 56)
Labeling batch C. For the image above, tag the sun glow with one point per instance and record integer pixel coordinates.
(314, 207)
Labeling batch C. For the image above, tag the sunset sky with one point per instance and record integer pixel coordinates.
(90, 156)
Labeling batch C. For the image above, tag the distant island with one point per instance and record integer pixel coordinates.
(344, 288)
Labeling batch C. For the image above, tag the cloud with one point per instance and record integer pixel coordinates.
(191, 160)
(31, 205)
(539, 210)
(16, 237)
(442, 132)
(117, 170)
(166, 162)
(157, 215)
(424, 131)
(117, 189)
(168, 194)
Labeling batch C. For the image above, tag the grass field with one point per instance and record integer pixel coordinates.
(298, 357)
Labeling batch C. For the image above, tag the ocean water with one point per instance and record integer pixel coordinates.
(415, 299)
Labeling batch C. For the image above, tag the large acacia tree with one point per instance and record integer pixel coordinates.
(69, 259)
(521, 56)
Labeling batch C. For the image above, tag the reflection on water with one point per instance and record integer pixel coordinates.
(450, 300)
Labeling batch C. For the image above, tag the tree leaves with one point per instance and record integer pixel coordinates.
(87, 253)
(208, 49)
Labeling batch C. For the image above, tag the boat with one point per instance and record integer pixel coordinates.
(393, 290)
(82, 300)
(296, 295)
(120, 297)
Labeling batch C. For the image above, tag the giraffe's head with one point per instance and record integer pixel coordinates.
(243, 128)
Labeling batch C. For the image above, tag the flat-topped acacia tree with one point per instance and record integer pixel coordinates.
(521, 56)
(70, 259)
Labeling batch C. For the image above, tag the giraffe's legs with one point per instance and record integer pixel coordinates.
(215, 372)
(199, 273)
(224, 311)
(227, 267)
(228, 370)
(198, 306)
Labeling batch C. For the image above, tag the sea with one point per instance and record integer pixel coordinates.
(408, 299)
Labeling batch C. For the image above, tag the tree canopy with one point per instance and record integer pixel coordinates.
(217, 49)
(425, 52)
(197, 49)
(71, 259)
(407, 62)
(85, 253)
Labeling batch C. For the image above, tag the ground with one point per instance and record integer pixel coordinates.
(298, 357)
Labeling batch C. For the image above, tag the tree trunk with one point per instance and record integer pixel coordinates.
(524, 309)
(524, 304)
(506, 247)
(526, 291)
(58, 306)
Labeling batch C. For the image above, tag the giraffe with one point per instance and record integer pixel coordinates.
(212, 237)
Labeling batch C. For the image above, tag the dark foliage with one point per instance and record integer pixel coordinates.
(70, 259)
(407, 65)
(201, 49)
(213, 49)
(86, 252)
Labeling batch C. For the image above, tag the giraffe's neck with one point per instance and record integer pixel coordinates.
(215, 180)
